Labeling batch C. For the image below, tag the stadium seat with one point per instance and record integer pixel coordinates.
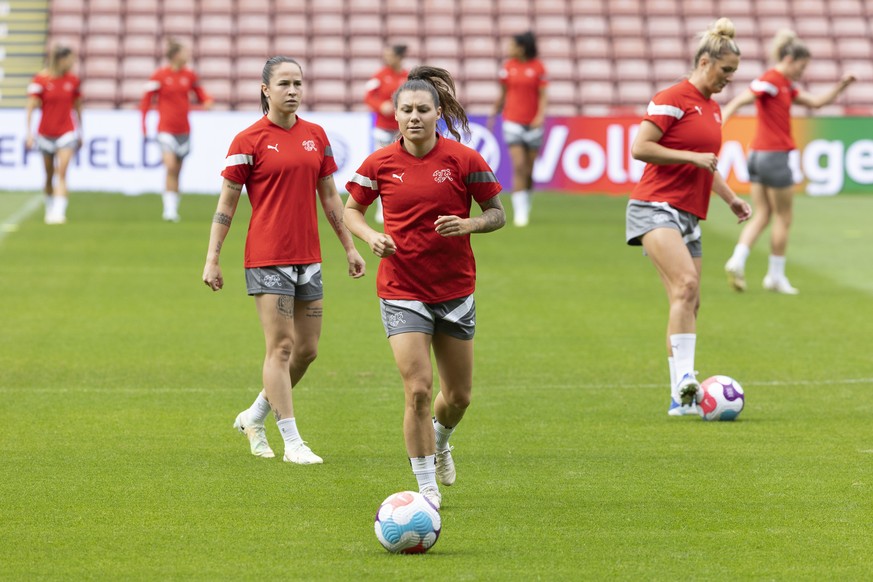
(671, 47)
(440, 8)
(768, 27)
(815, 8)
(101, 67)
(357, 7)
(104, 7)
(734, 8)
(589, 7)
(220, 6)
(104, 23)
(821, 71)
(181, 24)
(848, 26)
(552, 8)
(327, 6)
(99, 92)
(295, 7)
(633, 70)
(593, 47)
(363, 68)
(366, 46)
(668, 71)
(562, 93)
(140, 46)
(400, 7)
(663, 26)
(253, 24)
(821, 48)
(582, 26)
(61, 23)
(212, 46)
(481, 69)
(441, 46)
(326, 95)
(215, 67)
(216, 24)
(479, 96)
(852, 8)
(556, 47)
(326, 23)
(476, 25)
(328, 46)
(626, 25)
(635, 93)
(480, 46)
(69, 7)
(296, 47)
(621, 8)
(854, 48)
(451, 64)
(328, 68)
(101, 44)
(772, 8)
(402, 25)
(512, 7)
(808, 27)
(594, 70)
(862, 69)
(631, 47)
(138, 23)
(663, 8)
(560, 69)
(369, 25)
(551, 25)
(285, 24)
(130, 91)
(253, 46)
(597, 92)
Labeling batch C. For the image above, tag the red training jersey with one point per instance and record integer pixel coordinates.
(415, 191)
(774, 94)
(57, 95)
(172, 88)
(523, 81)
(280, 169)
(380, 88)
(690, 122)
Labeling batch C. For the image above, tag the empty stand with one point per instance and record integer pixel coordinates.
(601, 55)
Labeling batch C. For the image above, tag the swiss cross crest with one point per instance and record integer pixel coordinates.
(441, 176)
(309, 145)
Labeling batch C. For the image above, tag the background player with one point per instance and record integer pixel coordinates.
(283, 161)
(173, 86)
(56, 91)
(427, 274)
(770, 176)
(380, 90)
(679, 139)
(523, 102)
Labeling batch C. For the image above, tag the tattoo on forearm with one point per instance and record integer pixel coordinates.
(336, 221)
(492, 217)
(314, 312)
(218, 247)
(221, 218)
(234, 186)
(285, 306)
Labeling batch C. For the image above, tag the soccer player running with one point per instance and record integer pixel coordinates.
(56, 91)
(427, 273)
(380, 90)
(282, 160)
(172, 86)
(523, 102)
(679, 139)
(769, 173)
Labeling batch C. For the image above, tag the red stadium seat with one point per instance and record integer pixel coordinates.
(212, 46)
(588, 70)
(296, 47)
(253, 24)
(512, 7)
(480, 46)
(181, 24)
(328, 23)
(844, 26)
(562, 93)
(560, 69)
(476, 25)
(592, 7)
(357, 7)
(328, 46)
(666, 72)
(400, 7)
(768, 27)
(253, 46)
(481, 69)
(621, 8)
(138, 23)
(633, 70)
(366, 46)
(597, 92)
(593, 47)
(552, 8)
(631, 47)
(671, 47)
(106, 45)
(66, 24)
(104, 23)
(290, 25)
(328, 68)
(69, 7)
(589, 25)
(324, 6)
(821, 48)
(326, 95)
(363, 68)
(772, 8)
(295, 6)
(821, 71)
(551, 25)
(215, 67)
(402, 24)
(662, 8)
(140, 45)
(556, 47)
(854, 48)
(371, 25)
(441, 46)
(813, 26)
(663, 26)
(104, 7)
(626, 25)
(99, 92)
(852, 8)
(100, 68)
(216, 24)
(433, 8)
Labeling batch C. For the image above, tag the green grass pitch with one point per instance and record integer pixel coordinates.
(121, 375)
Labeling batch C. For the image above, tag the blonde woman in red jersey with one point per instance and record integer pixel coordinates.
(679, 139)
(172, 86)
(769, 173)
(523, 102)
(427, 273)
(56, 91)
(380, 90)
(283, 161)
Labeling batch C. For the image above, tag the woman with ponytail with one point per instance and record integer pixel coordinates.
(427, 273)
(771, 178)
(679, 139)
(283, 161)
(56, 91)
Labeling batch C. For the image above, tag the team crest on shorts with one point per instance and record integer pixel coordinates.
(396, 319)
(441, 176)
(271, 280)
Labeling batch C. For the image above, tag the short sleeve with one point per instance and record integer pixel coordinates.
(664, 110)
(482, 183)
(363, 186)
(35, 88)
(239, 161)
(328, 163)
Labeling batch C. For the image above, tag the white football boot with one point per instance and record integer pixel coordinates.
(257, 436)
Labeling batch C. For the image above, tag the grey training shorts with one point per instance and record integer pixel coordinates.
(643, 217)
(456, 317)
(770, 169)
(175, 144)
(51, 145)
(517, 134)
(300, 281)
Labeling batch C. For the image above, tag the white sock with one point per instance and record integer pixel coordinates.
(776, 270)
(424, 469)
(171, 202)
(49, 202)
(288, 428)
(683, 345)
(442, 435)
(259, 410)
(521, 201)
(671, 362)
(59, 206)
(741, 253)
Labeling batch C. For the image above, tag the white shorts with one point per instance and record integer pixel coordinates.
(384, 137)
(517, 134)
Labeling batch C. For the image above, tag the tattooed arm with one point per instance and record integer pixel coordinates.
(491, 219)
(227, 203)
(332, 205)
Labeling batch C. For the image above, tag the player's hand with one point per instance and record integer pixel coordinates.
(28, 142)
(706, 160)
(212, 276)
(452, 226)
(847, 80)
(357, 266)
(741, 209)
(387, 108)
(383, 245)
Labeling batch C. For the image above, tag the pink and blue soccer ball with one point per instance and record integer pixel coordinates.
(407, 523)
(723, 398)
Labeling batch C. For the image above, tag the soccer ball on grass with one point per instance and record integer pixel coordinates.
(723, 398)
(407, 523)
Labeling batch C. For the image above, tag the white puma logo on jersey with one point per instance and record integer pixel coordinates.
(275, 147)
(400, 177)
